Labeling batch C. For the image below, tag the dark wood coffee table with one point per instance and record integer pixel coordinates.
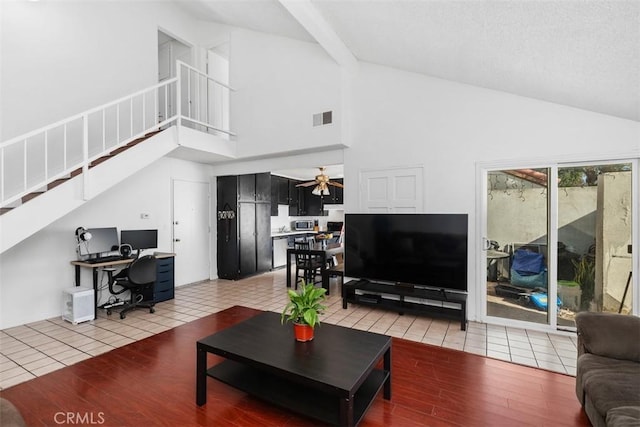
(332, 378)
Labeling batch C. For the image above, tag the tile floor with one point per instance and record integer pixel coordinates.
(35, 349)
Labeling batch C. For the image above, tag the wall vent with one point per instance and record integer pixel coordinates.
(325, 118)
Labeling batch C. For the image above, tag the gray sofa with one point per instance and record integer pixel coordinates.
(608, 368)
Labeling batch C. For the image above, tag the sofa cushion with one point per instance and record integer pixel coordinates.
(624, 416)
(610, 383)
(9, 414)
(609, 334)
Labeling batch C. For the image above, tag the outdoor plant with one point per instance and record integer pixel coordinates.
(304, 306)
(586, 277)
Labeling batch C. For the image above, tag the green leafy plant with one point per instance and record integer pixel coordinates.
(585, 276)
(304, 306)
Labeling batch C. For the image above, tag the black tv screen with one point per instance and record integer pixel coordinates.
(419, 249)
(140, 239)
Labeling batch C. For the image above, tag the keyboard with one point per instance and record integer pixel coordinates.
(103, 259)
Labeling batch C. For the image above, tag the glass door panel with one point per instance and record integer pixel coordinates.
(594, 240)
(517, 247)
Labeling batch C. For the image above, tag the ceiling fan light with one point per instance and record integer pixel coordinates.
(317, 191)
(325, 192)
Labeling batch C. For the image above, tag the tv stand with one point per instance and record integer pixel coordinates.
(406, 298)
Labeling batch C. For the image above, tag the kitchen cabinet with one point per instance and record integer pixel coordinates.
(244, 222)
(295, 203)
(312, 203)
(279, 193)
(254, 187)
(300, 200)
(304, 203)
(336, 194)
(293, 192)
(274, 194)
(283, 190)
(263, 187)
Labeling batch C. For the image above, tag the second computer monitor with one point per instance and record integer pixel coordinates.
(139, 239)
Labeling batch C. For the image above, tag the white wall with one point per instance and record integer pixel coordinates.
(399, 119)
(402, 118)
(280, 83)
(60, 58)
(34, 273)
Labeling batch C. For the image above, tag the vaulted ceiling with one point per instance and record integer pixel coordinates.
(584, 54)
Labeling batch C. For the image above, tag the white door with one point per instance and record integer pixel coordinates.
(169, 50)
(397, 190)
(191, 232)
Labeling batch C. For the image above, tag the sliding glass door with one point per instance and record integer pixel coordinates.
(595, 222)
(517, 244)
(558, 240)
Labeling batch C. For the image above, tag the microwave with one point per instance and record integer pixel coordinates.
(303, 225)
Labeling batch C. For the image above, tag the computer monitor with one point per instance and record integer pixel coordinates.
(140, 239)
(102, 240)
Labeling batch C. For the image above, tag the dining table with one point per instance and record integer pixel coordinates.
(321, 249)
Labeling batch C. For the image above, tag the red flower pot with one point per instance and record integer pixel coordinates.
(303, 332)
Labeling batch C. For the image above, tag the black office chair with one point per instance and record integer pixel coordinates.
(139, 278)
(309, 265)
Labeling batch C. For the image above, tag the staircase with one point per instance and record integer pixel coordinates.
(49, 172)
(56, 182)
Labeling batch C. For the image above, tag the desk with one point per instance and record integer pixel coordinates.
(323, 250)
(79, 265)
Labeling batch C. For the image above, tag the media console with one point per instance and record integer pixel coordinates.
(405, 298)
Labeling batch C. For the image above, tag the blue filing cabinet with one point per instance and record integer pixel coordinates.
(163, 289)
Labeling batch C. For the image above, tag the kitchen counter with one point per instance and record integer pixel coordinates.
(292, 233)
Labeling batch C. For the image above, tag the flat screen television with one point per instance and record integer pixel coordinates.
(140, 239)
(102, 240)
(418, 249)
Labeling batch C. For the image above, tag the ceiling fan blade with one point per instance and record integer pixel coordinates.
(335, 184)
(307, 184)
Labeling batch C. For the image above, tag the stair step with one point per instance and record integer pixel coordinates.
(5, 210)
(119, 150)
(57, 182)
(144, 138)
(31, 196)
(97, 161)
(135, 142)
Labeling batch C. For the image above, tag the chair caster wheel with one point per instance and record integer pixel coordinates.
(108, 312)
(152, 310)
(122, 316)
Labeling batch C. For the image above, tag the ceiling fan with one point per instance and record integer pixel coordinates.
(322, 183)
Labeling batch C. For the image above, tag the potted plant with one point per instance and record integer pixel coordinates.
(585, 276)
(303, 310)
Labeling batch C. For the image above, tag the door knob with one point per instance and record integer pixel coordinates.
(176, 240)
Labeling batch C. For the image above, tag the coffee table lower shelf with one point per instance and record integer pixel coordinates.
(300, 398)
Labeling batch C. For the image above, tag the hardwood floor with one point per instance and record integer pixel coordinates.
(152, 383)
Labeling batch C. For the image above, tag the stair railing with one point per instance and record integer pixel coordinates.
(29, 162)
(204, 101)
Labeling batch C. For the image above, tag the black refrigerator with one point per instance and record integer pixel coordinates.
(244, 225)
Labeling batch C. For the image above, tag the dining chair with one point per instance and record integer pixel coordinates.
(308, 266)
